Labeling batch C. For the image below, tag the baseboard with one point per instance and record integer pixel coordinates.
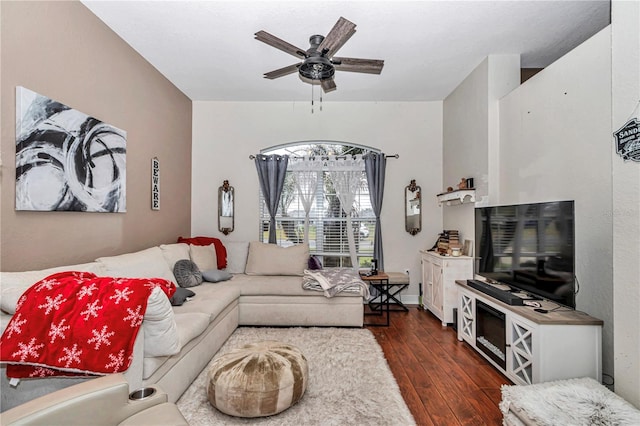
(410, 299)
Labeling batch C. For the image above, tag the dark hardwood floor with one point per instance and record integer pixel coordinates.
(443, 381)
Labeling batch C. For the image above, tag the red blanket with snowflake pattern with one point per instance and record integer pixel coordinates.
(76, 323)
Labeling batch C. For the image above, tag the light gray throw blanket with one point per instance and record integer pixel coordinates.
(331, 281)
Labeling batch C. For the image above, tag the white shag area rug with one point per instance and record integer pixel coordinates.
(570, 402)
(350, 382)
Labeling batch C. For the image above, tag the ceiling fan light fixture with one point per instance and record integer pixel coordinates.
(319, 64)
(317, 68)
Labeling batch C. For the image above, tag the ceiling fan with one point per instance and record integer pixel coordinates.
(318, 62)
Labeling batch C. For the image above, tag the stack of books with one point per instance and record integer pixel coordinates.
(448, 239)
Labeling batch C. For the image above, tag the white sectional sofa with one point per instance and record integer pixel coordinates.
(175, 343)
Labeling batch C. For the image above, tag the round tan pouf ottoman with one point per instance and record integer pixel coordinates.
(258, 379)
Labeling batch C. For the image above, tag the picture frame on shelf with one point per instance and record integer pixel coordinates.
(467, 249)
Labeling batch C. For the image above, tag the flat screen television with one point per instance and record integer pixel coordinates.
(530, 247)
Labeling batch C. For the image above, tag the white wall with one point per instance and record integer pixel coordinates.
(626, 202)
(555, 144)
(465, 146)
(471, 135)
(226, 133)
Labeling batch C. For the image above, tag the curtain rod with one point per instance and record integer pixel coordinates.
(396, 156)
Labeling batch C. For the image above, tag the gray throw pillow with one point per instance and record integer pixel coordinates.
(187, 273)
(216, 275)
(180, 296)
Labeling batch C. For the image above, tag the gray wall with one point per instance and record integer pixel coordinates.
(63, 51)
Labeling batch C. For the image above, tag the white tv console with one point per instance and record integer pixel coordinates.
(540, 347)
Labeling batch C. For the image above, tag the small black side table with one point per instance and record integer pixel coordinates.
(380, 281)
(393, 290)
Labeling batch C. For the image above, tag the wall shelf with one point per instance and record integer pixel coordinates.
(461, 196)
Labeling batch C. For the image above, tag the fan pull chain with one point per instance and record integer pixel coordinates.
(321, 100)
(311, 98)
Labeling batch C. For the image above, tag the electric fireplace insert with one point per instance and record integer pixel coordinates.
(491, 335)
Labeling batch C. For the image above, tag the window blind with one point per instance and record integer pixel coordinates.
(327, 222)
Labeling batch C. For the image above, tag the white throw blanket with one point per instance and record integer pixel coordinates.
(581, 401)
(331, 281)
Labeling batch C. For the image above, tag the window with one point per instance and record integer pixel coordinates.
(328, 229)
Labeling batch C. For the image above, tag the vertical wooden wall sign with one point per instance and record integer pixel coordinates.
(155, 184)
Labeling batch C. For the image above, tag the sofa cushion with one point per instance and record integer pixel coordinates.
(237, 252)
(151, 364)
(253, 285)
(274, 285)
(4, 321)
(216, 275)
(174, 252)
(148, 263)
(187, 273)
(15, 283)
(180, 296)
(203, 256)
(221, 251)
(191, 325)
(210, 299)
(160, 329)
(271, 259)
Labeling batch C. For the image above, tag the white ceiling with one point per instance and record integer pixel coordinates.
(207, 49)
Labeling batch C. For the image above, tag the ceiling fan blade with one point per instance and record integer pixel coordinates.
(282, 72)
(274, 41)
(339, 34)
(369, 66)
(328, 85)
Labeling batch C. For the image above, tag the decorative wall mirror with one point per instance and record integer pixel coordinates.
(225, 208)
(412, 208)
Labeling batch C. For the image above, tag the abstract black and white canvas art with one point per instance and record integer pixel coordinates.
(65, 159)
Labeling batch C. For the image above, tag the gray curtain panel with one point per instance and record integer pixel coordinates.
(271, 172)
(375, 165)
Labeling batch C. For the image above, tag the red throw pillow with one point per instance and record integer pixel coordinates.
(221, 251)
